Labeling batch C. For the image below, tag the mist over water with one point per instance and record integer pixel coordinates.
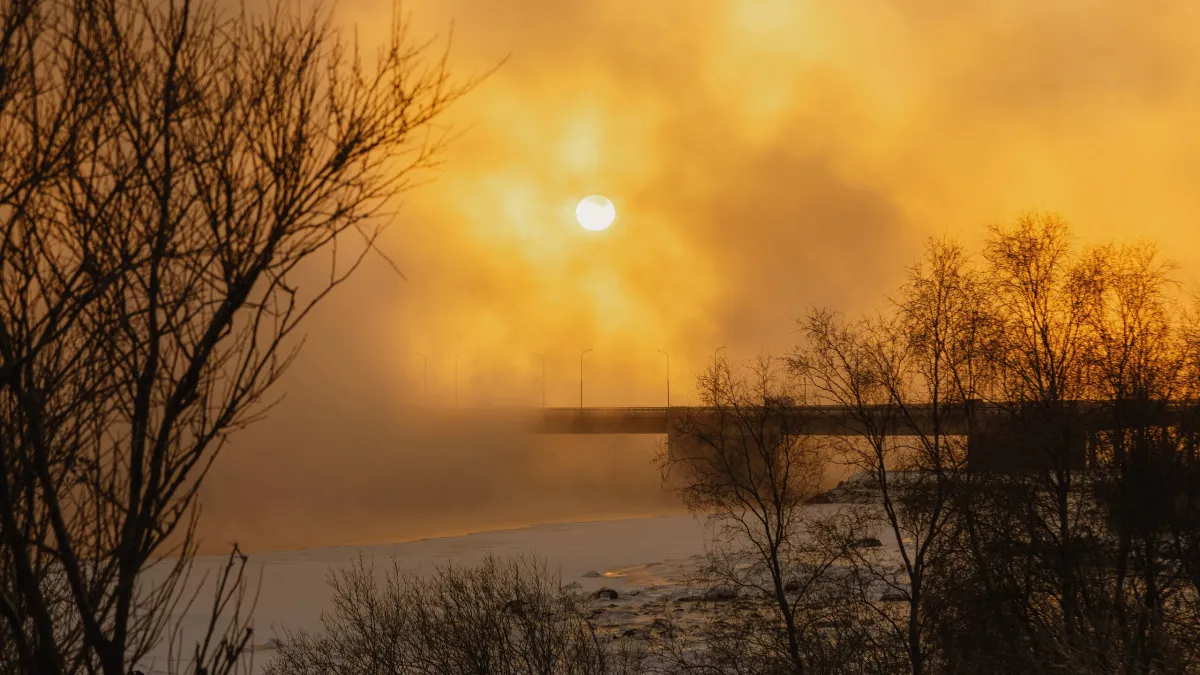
(408, 478)
(417, 475)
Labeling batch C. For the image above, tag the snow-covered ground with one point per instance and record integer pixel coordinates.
(646, 561)
(645, 556)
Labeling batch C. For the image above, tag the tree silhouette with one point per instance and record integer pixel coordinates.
(166, 171)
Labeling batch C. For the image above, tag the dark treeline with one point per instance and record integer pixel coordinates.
(1026, 424)
(1028, 498)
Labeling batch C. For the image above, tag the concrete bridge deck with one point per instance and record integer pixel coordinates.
(818, 420)
(808, 420)
(992, 438)
(651, 420)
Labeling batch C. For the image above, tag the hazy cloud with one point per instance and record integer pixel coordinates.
(763, 155)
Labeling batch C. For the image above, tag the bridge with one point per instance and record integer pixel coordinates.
(992, 441)
(804, 421)
(648, 420)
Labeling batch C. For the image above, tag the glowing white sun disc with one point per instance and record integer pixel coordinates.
(595, 212)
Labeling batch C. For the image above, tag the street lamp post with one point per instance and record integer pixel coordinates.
(456, 377)
(543, 377)
(581, 378)
(664, 353)
(425, 377)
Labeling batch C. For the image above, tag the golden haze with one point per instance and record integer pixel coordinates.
(763, 157)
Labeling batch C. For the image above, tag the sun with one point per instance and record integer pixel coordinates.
(595, 212)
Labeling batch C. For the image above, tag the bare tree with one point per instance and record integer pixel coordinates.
(902, 386)
(1028, 423)
(1040, 296)
(174, 169)
(1029, 447)
(1141, 461)
(745, 462)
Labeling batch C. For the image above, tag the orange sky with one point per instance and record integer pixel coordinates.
(763, 155)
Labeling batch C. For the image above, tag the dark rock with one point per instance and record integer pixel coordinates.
(663, 625)
(606, 593)
(721, 593)
(866, 542)
(591, 574)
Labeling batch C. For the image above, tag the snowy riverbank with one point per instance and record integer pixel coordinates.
(646, 562)
(646, 555)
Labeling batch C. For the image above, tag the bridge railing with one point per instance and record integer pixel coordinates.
(658, 410)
